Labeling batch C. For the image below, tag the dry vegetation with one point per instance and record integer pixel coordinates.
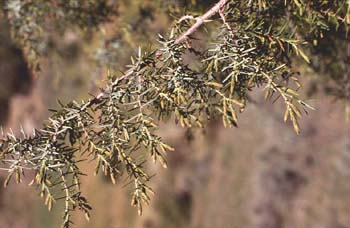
(215, 178)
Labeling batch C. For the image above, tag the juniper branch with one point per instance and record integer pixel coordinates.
(118, 127)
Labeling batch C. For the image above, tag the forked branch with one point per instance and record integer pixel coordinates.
(201, 20)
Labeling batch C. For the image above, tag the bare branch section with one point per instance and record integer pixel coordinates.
(201, 20)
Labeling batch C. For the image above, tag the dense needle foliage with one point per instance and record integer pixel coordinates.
(247, 44)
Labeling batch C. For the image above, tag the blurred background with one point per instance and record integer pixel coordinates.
(216, 177)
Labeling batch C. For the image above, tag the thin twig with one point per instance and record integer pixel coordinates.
(184, 18)
(223, 18)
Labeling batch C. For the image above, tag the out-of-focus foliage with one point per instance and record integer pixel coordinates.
(31, 21)
(247, 44)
